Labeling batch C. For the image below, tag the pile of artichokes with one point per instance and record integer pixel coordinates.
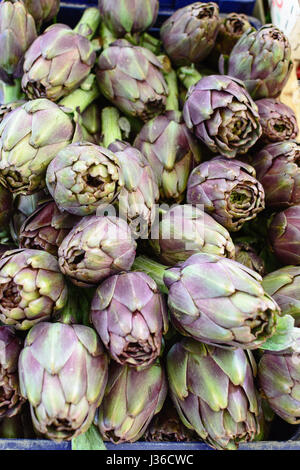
(149, 225)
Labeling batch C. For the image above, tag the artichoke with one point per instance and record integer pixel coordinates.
(278, 121)
(30, 137)
(131, 78)
(185, 230)
(189, 35)
(131, 400)
(46, 228)
(11, 400)
(262, 60)
(228, 190)
(32, 288)
(277, 169)
(284, 235)
(284, 287)
(214, 393)
(246, 255)
(63, 374)
(128, 16)
(221, 113)
(96, 248)
(279, 376)
(23, 207)
(233, 26)
(17, 32)
(6, 207)
(42, 11)
(171, 151)
(130, 315)
(219, 301)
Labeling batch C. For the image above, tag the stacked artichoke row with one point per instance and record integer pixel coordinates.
(150, 226)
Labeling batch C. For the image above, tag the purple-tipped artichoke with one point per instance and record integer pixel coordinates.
(30, 137)
(96, 248)
(11, 400)
(131, 400)
(186, 230)
(42, 11)
(284, 235)
(221, 113)
(284, 287)
(56, 63)
(277, 169)
(46, 228)
(228, 190)
(279, 377)
(131, 78)
(130, 316)
(262, 60)
(17, 32)
(128, 16)
(189, 35)
(214, 393)
(32, 288)
(246, 255)
(63, 374)
(278, 121)
(219, 301)
(172, 152)
(6, 207)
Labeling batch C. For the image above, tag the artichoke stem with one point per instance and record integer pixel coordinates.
(82, 97)
(10, 93)
(106, 36)
(153, 269)
(150, 42)
(189, 76)
(172, 99)
(89, 23)
(111, 130)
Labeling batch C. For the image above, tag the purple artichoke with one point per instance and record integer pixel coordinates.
(284, 235)
(172, 152)
(232, 28)
(96, 248)
(46, 228)
(278, 121)
(32, 288)
(189, 35)
(42, 11)
(63, 374)
(130, 316)
(131, 78)
(262, 60)
(246, 255)
(221, 113)
(11, 400)
(228, 190)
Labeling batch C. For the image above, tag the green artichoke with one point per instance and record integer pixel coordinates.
(32, 288)
(63, 374)
(131, 400)
(42, 11)
(214, 394)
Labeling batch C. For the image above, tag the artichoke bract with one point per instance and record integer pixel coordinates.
(128, 16)
(17, 32)
(96, 248)
(131, 78)
(66, 362)
(23, 207)
(284, 287)
(42, 11)
(219, 301)
(185, 230)
(279, 376)
(82, 177)
(277, 169)
(130, 315)
(32, 288)
(262, 60)
(228, 190)
(214, 393)
(6, 207)
(246, 255)
(284, 235)
(172, 152)
(7, 108)
(11, 400)
(222, 114)
(189, 35)
(46, 228)
(30, 137)
(137, 395)
(278, 121)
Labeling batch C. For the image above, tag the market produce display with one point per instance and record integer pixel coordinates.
(149, 226)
